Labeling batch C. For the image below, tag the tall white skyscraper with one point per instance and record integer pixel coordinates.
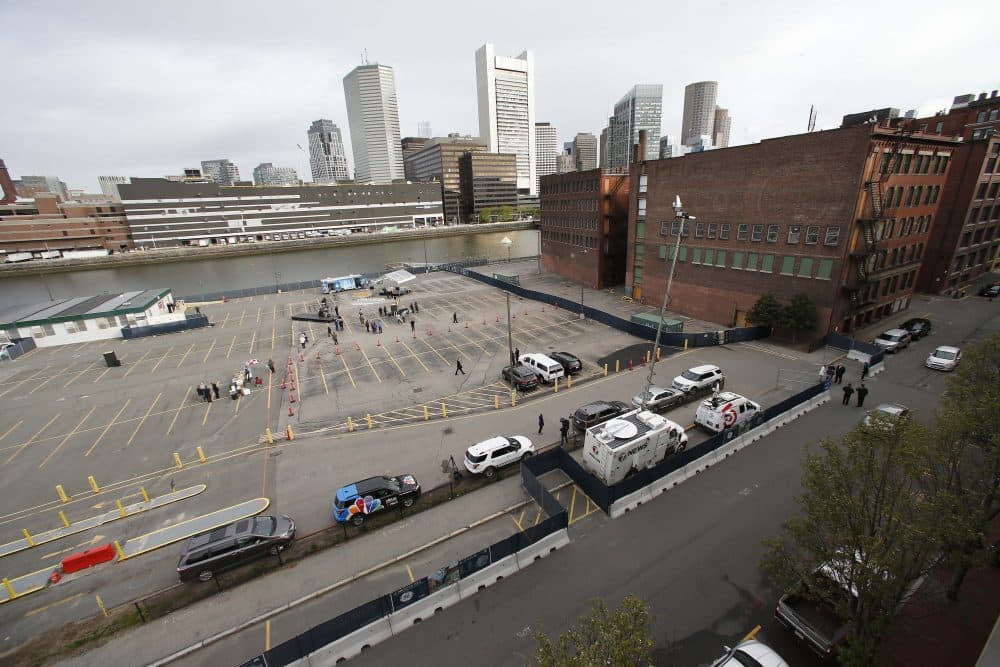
(373, 114)
(326, 152)
(221, 171)
(546, 151)
(506, 95)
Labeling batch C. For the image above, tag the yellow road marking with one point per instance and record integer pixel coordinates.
(572, 504)
(258, 313)
(185, 356)
(272, 337)
(178, 411)
(538, 516)
(108, 427)
(274, 313)
(349, 375)
(253, 341)
(434, 350)
(267, 634)
(98, 378)
(31, 439)
(209, 351)
(242, 315)
(31, 377)
(31, 613)
(68, 436)
(7, 432)
(322, 376)
(415, 356)
(371, 366)
(224, 320)
(517, 521)
(143, 420)
(393, 360)
(410, 573)
(750, 635)
(74, 378)
(230, 350)
(132, 367)
(207, 410)
(239, 399)
(160, 361)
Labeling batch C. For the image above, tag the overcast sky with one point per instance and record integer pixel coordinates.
(149, 88)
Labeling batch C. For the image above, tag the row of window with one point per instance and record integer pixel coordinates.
(894, 195)
(809, 234)
(890, 285)
(79, 326)
(570, 238)
(984, 213)
(988, 190)
(571, 205)
(802, 267)
(979, 236)
(564, 185)
(907, 226)
(900, 255)
(908, 163)
(570, 222)
(976, 258)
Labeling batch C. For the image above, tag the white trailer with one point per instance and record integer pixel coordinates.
(634, 441)
(395, 283)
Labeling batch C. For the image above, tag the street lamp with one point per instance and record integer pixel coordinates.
(505, 241)
(681, 217)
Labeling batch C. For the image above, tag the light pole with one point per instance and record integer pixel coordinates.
(573, 256)
(681, 217)
(510, 338)
(505, 241)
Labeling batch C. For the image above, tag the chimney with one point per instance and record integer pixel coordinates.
(982, 96)
(639, 149)
(9, 193)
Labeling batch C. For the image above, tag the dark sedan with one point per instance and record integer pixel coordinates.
(917, 326)
(598, 412)
(570, 362)
(520, 377)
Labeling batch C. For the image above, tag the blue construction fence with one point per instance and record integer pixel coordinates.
(21, 346)
(699, 339)
(846, 343)
(190, 321)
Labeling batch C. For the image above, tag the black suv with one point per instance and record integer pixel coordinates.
(570, 362)
(520, 376)
(229, 546)
(598, 412)
(917, 326)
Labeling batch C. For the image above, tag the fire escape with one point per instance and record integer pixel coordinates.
(868, 251)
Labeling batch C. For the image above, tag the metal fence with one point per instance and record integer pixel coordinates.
(193, 321)
(846, 343)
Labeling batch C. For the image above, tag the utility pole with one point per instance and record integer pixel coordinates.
(510, 338)
(681, 217)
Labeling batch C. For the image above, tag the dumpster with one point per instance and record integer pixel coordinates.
(111, 359)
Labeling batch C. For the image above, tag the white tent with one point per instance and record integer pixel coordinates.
(396, 279)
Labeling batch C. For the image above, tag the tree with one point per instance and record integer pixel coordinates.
(485, 214)
(966, 467)
(506, 213)
(532, 212)
(864, 514)
(799, 315)
(602, 637)
(766, 312)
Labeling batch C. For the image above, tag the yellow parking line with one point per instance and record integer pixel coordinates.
(143, 420)
(98, 378)
(371, 366)
(322, 376)
(178, 411)
(410, 573)
(209, 351)
(393, 360)
(239, 399)
(31, 439)
(415, 356)
(31, 613)
(253, 341)
(160, 361)
(207, 410)
(274, 313)
(185, 355)
(434, 350)
(230, 351)
(242, 315)
(224, 320)
(258, 313)
(20, 382)
(68, 436)
(138, 361)
(267, 635)
(517, 521)
(7, 432)
(272, 337)
(750, 635)
(74, 378)
(350, 376)
(108, 427)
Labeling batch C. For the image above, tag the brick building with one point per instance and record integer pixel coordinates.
(52, 226)
(842, 216)
(584, 226)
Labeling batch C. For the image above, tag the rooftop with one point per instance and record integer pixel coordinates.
(79, 308)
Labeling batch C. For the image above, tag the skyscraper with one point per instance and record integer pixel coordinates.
(585, 151)
(638, 109)
(327, 160)
(546, 151)
(506, 96)
(221, 171)
(720, 127)
(424, 129)
(699, 111)
(267, 174)
(669, 147)
(373, 114)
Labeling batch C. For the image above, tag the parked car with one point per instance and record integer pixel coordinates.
(486, 456)
(890, 412)
(355, 502)
(990, 290)
(893, 340)
(944, 358)
(202, 556)
(917, 327)
(725, 410)
(520, 376)
(698, 378)
(570, 362)
(597, 412)
(659, 399)
(750, 653)
(546, 368)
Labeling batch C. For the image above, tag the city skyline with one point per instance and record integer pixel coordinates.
(210, 93)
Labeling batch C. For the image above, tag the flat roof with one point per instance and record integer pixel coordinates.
(79, 308)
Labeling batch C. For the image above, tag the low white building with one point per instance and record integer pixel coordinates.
(87, 318)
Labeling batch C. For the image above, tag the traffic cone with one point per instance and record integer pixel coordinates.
(291, 396)
(317, 354)
(397, 338)
(337, 349)
(630, 364)
(290, 413)
(301, 357)
(498, 318)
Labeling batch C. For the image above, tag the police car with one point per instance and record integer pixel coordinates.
(725, 410)
(355, 502)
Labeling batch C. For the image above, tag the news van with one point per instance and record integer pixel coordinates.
(725, 410)
(634, 441)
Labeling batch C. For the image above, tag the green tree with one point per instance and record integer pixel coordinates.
(766, 312)
(799, 315)
(532, 212)
(506, 213)
(865, 516)
(602, 637)
(485, 214)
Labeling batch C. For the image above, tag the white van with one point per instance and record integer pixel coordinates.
(546, 368)
(725, 410)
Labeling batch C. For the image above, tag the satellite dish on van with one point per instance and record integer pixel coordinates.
(621, 429)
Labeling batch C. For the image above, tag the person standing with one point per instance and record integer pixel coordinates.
(822, 373)
(458, 367)
(840, 373)
(454, 318)
(563, 431)
(329, 331)
(367, 329)
(848, 390)
(862, 392)
(864, 371)
(215, 388)
(541, 423)
(201, 390)
(517, 355)
(336, 311)
(413, 326)
(302, 340)
(335, 341)
(270, 365)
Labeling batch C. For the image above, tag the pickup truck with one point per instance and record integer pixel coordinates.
(816, 623)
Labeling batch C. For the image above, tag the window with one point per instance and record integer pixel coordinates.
(917, 194)
(812, 234)
(663, 252)
(805, 267)
(709, 256)
(767, 263)
(643, 183)
(741, 231)
(793, 233)
(758, 233)
(724, 231)
(825, 269)
(787, 265)
(640, 250)
(832, 236)
(696, 255)
(671, 251)
(752, 261)
(905, 168)
(642, 206)
(720, 258)
(699, 230)
(682, 254)
(772, 233)
(909, 195)
(737, 260)
(939, 127)
(981, 192)
(712, 229)
(640, 230)
(637, 275)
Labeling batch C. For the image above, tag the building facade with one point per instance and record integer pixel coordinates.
(842, 216)
(546, 151)
(266, 174)
(721, 126)
(163, 213)
(109, 186)
(438, 161)
(585, 151)
(584, 226)
(50, 228)
(699, 111)
(506, 98)
(488, 180)
(639, 109)
(669, 147)
(222, 172)
(565, 163)
(29, 186)
(373, 114)
(410, 146)
(327, 159)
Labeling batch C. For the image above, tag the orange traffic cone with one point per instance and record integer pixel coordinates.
(291, 395)
(337, 349)
(397, 338)
(630, 364)
(290, 413)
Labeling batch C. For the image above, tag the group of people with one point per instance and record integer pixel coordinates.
(206, 392)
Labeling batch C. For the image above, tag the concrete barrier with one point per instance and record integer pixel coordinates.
(486, 577)
(349, 646)
(423, 609)
(541, 548)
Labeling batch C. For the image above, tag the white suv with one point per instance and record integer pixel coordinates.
(893, 340)
(486, 456)
(699, 377)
